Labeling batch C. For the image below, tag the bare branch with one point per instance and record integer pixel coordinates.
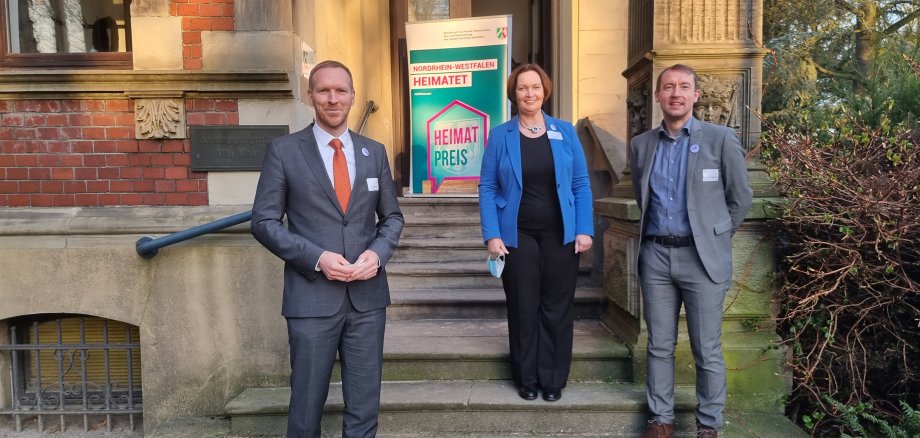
(897, 25)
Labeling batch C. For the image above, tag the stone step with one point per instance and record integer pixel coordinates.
(457, 349)
(476, 303)
(437, 206)
(456, 225)
(452, 275)
(440, 275)
(440, 249)
(453, 349)
(450, 249)
(492, 408)
(441, 217)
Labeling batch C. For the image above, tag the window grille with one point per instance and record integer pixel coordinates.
(71, 367)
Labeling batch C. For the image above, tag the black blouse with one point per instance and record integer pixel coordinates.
(540, 209)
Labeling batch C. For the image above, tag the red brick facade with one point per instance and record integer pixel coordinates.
(198, 16)
(64, 153)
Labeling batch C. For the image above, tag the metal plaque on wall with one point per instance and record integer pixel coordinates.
(231, 147)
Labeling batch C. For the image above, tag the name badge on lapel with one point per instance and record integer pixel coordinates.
(554, 135)
(372, 185)
(710, 175)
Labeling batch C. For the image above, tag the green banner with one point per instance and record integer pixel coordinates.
(457, 75)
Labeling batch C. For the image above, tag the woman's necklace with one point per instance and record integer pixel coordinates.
(535, 128)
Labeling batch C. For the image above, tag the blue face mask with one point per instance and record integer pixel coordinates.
(496, 265)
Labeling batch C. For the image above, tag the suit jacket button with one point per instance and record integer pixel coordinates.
(345, 223)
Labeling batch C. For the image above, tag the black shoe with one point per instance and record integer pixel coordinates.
(551, 394)
(528, 392)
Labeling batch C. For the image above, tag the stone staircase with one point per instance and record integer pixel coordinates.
(445, 353)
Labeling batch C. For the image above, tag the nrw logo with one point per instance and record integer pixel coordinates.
(501, 32)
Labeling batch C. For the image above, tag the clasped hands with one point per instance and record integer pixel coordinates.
(337, 268)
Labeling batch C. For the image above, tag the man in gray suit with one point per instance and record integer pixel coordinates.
(691, 185)
(343, 224)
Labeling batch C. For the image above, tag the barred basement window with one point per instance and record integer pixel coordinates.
(65, 33)
(68, 369)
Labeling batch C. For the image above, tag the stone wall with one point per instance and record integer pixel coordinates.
(208, 309)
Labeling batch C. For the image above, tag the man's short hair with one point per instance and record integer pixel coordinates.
(679, 67)
(331, 64)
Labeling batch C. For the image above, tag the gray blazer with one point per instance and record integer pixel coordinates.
(716, 207)
(294, 183)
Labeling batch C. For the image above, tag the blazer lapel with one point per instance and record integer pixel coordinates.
(315, 162)
(649, 152)
(696, 138)
(513, 143)
(556, 145)
(363, 169)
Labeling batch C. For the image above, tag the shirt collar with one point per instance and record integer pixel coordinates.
(323, 138)
(685, 130)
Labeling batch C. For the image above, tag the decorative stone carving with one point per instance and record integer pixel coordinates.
(721, 101)
(637, 109)
(707, 22)
(159, 118)
(620, 276)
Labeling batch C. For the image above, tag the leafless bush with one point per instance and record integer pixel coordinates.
(849, 246)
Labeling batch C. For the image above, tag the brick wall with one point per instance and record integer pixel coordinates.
(63, 153)
(198, 16)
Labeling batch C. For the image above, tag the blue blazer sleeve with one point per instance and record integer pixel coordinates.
(490, 198)
(581, 186)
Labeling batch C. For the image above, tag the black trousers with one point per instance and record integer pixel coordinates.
(539, 282)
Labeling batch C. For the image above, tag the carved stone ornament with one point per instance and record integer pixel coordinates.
(721, 101)
(159, 118)
(637, 109)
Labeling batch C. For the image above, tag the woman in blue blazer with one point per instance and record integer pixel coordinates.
(535, 208)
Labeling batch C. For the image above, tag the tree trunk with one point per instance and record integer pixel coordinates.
(865, 39)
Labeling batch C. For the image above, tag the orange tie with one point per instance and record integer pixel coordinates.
(340, 174)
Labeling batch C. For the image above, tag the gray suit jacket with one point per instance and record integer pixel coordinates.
(294, 183)
(716, 207)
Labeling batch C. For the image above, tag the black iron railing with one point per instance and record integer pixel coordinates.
(69, 374)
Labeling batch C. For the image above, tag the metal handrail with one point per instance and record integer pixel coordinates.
(148, 246)
(371, 107)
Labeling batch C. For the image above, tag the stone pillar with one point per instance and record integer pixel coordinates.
(720, 39)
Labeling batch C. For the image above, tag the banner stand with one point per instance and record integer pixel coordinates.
(458, 71)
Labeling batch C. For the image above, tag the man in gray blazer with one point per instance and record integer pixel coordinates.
(335, 246)
(691, 185)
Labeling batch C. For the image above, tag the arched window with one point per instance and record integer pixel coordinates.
(69, 371)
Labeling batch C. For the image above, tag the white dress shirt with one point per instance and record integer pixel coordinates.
(322, 142)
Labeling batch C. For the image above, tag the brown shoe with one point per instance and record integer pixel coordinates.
(706, 432)
(657, 429)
